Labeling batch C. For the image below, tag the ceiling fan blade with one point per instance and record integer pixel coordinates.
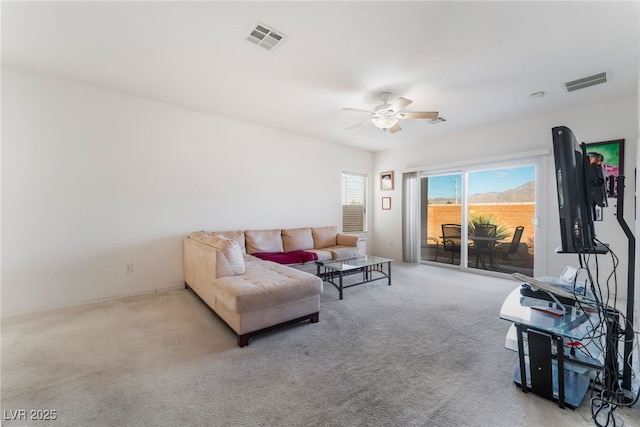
(399, 104)
(357, 110)
(395, 128)
(357, 125)
(419, 115)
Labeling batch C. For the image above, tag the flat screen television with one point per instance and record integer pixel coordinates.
(578, 185)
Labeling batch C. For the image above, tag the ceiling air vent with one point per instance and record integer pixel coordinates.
(584, 82)
(264, 36)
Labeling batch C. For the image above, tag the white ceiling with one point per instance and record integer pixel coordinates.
(474, 62)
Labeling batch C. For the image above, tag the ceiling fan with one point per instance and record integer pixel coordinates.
(386, 116)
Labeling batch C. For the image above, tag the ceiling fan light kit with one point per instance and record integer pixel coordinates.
(384, 123)
(386, 116)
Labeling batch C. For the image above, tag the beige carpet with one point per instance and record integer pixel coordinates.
(426, 351)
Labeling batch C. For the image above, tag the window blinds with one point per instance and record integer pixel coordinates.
(354, 190)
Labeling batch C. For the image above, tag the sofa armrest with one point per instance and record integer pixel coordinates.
(347, 239)
(203, 263)
(353, 240)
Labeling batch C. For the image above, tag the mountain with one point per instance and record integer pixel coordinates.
(523, 194)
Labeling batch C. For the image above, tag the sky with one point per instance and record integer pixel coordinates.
(481, 182)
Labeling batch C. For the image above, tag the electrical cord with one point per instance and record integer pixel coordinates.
(606, 334)
(611, 396)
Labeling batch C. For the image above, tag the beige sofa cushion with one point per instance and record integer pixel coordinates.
(263, 241)
(265, 284)
(297, 239)
(323, 254)
(324, 236)
(344, 252)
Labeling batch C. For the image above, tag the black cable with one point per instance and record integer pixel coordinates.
(602, 336)
(611, 395)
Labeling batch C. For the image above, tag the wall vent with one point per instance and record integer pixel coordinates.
(264, 36)
(584, 82)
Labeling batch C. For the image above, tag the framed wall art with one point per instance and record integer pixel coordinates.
(386, 180)
(610, 155)
(386, 203)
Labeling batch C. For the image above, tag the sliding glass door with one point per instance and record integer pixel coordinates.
(500, 213)
(480, 218)
(441, 206)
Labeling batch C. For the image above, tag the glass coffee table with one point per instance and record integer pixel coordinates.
(371, 267)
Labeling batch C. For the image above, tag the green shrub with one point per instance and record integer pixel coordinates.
(502, 232)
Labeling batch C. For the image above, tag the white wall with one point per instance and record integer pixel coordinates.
(93, 179)
(613, 120)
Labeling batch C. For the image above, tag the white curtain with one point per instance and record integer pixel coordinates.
(410, 217)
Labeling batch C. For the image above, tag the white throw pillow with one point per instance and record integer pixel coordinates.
(231, 251)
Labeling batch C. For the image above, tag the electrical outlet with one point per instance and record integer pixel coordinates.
(128, 268)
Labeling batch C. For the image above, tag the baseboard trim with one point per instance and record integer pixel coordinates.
(92, 301)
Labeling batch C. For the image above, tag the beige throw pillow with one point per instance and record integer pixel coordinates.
(297, 239)
(324, 237)
(263, 241)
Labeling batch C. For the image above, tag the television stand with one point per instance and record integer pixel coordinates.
(546, 364)
(564, 383)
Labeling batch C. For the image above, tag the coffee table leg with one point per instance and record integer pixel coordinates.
(340, 274)
(389, 270)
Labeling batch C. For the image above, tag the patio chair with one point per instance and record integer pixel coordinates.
(504, 250)
(451, 238)
(484, 242)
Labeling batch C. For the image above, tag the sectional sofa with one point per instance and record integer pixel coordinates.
(255, 280)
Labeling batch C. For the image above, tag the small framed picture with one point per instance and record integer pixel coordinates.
(386, 180)
(386, 203)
